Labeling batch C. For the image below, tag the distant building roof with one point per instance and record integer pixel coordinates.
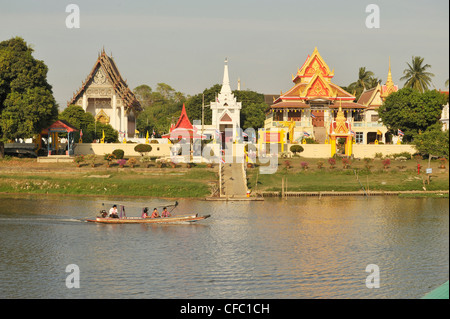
(59, 126)
(112, 73)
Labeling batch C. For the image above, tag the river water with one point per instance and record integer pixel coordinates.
(295, 248)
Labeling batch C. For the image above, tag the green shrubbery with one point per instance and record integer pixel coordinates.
(143, 149)
(118, 153)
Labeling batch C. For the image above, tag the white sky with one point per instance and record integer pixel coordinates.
(184, 43)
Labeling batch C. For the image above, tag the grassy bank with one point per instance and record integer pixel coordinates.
(65, 178)
(405, 178)
(27, 176)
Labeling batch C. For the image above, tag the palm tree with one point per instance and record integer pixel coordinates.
(365, 79)
(416, 76)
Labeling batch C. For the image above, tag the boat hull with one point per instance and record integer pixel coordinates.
(140, 220)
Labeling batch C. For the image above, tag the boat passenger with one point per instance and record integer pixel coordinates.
(145, 213)
(113, 212)
(155, 213)
(165, 213)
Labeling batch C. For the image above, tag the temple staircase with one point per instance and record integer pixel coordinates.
(233, 181)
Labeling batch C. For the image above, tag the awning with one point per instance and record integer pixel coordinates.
(59, 126)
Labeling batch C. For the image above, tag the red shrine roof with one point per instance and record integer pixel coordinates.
(182, 125)
(183, 121)
(59, 126)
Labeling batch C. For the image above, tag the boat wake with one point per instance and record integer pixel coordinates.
(40, 219)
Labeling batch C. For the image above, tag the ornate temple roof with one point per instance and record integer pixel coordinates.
(112, 73)
(313, 83)
(374, 97)
(389, 87)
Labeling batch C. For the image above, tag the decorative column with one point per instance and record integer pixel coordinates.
(114, 107)
(348, 146)
(333, 145)
(122, 118)
(85, 102)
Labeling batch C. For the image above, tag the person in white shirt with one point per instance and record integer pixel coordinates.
(113, 212)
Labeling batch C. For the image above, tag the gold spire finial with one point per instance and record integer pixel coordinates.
(389, 81)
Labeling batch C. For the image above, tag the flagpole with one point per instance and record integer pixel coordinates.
(203, 112)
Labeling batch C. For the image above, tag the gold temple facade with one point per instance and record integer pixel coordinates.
(310, 107)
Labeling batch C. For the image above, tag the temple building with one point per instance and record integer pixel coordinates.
(371, 128)
(226, 110)
(310, 107)
(108, 98)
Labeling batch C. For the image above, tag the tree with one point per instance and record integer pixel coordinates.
(160, 107)
(253, 115)
(83, 121)
(194, 104)
(26, 114)
(416, 76)
(143, 149)
(411, 111)
(253, 111)
(97, 129)
(366, 80)
(77, 117)
(27, 104)
(296, 149)
(433, 141)
(143, 94)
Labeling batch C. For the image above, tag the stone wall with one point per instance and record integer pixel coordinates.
(310, 150)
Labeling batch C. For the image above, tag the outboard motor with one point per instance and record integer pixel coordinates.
(103, 213)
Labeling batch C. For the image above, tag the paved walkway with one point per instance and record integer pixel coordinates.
(234, 184)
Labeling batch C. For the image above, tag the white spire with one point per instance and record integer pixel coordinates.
(226, 80)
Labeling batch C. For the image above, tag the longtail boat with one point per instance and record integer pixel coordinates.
(148, 220)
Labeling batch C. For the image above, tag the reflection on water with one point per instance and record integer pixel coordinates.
(299, 248)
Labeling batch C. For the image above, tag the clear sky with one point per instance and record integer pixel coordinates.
(184, 43)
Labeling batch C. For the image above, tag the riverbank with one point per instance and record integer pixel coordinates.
(23, 176)
(358, 177)
(26, 176)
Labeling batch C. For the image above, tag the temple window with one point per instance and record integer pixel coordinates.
(359, 138)
(295, 116)
(278, 116)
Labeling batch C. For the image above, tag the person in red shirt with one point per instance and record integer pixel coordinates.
(165, 213)
(155, 213)
(145, 213)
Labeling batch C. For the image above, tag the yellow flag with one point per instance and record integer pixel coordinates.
(379, 132)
